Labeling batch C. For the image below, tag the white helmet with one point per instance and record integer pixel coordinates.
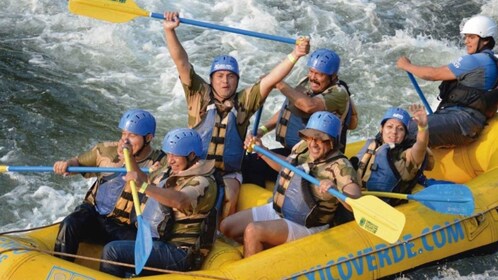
(480, 25)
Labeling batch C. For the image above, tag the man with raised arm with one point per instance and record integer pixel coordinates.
(218, 111)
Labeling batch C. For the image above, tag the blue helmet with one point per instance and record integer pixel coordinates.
(324, 122)
(397, 113)
(139, 122)
(224, 62)
(182, 142)
(324, 61)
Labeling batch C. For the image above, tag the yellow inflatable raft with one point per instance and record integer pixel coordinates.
(342, 252)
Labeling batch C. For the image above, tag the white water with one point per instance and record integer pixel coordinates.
(65, 79)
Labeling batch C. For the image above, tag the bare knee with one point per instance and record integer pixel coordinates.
(230, 227)
(225, 227)
(253, 232)
(232, 189)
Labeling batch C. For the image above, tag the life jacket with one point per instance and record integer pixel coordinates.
(109, 192)
(221, 140)
(377, 170)
(288, 125)
(453, 93)
(170, 225)
(291, 119)
(293, 198)
(123, 201)
(350, 118)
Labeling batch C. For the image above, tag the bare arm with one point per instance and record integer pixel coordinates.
(275, 166)
(278, 73)
(418, 150)
(175, 48)
(302, 101)
(270, 124)
(442, 73)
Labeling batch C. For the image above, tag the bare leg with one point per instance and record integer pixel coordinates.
(234, 226)
(232, 188)
(263, 235)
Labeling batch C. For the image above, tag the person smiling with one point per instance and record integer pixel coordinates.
(467, 98)
(180, 198)
(299, 208)
(106, 212)
(219, 112)
(320, 90)
(392, 162)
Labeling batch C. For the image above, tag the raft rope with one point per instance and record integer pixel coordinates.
(113, 262)
(478, 216)
(195, 274)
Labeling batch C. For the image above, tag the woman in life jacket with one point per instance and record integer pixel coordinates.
(180, 197)
(299, 208)
(468, 90)
(392, 162)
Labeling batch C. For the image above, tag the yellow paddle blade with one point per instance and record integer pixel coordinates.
(377, 217)
(4, 168)
(108, 10)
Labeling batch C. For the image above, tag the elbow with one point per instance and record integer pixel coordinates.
(181, 204)
(305, 107)
(182, 65)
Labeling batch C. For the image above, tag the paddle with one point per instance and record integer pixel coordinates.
(444, 198)
(420, 93)
(72, 169)
(143, 242)
(123, 11)
(256, 121)
(371, 213)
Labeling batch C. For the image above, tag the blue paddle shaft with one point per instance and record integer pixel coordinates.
(73, 169)
(298, 171)
(230, 29)
(420, 93)
(256, 121)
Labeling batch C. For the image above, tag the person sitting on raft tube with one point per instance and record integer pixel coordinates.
(320, 90)
(292, 213)
(466, 93)
(179, 209)
(392, 162)
(105, 214)
(218, 111)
